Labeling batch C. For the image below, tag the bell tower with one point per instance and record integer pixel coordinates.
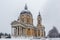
(39, 20)
(41, 28)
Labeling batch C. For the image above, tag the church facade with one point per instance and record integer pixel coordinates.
(23, 26)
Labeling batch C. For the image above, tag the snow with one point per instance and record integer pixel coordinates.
(26, 38)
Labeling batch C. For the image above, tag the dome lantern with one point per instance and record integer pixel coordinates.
(26, 7)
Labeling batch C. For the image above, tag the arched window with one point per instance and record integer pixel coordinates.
(22, 18)
(28, 20)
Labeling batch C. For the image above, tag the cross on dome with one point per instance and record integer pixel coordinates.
(26, 7)
(39, 13)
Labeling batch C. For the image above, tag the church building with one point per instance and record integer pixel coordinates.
(23, 26)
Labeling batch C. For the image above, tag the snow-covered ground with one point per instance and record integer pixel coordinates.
(31, 39)
(28, 38)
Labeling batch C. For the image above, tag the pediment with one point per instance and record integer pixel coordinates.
(14, 22)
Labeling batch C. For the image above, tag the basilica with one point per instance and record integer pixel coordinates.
(23, 26)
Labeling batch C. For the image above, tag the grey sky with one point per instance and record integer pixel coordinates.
(49, 9)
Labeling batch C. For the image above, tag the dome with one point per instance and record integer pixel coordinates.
(26, 11)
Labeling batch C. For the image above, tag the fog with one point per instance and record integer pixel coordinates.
(49, 10)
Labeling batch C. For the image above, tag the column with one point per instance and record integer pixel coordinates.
(17, 31)
(23, 31)
(12, 31)
(20, 30)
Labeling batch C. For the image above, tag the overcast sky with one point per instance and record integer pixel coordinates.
(49, 10)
